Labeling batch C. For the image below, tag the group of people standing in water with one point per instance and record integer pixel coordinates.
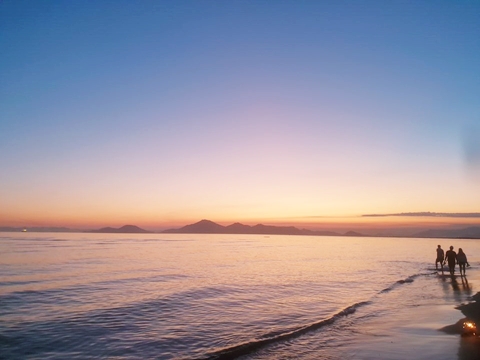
(452, 258)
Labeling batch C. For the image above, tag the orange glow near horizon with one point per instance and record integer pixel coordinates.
(210, 123)
(354, 222)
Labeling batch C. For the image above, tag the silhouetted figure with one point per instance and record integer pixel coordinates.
(451, 258)
(440, 257)
(462, 261)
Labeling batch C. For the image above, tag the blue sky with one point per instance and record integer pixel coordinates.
(166, 112)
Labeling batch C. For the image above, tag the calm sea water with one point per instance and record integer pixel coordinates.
(159, 296)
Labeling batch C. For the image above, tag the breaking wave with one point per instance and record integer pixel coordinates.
(249, 347)
(252, 346)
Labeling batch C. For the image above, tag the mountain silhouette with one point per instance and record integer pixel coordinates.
(238, 228)
(126, 229)
(210, 227)
(201, 227)
(472, 232)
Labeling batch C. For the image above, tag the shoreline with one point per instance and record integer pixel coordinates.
(470, 345)
(469, 348)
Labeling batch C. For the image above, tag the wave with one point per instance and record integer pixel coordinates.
(17, 283)
(407, 280)
(252, 346)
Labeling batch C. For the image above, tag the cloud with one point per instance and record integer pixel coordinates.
(428, 214)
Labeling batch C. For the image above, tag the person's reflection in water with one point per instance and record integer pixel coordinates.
(458, 289)
(465, 285)
(469, 345)
(454, 283)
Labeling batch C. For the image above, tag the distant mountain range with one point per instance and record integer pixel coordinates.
(210, 227)
(472, 232)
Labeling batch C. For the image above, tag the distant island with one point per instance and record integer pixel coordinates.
(210, 227)
(126, 229)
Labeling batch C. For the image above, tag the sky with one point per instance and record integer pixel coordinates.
(163, 113)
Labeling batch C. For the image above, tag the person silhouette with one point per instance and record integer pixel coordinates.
(440, 258)
(451, 258)
(462, 261)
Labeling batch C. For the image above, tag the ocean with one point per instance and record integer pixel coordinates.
(187, 296)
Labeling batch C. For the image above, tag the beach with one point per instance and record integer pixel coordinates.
(469, 343)
(417, 331)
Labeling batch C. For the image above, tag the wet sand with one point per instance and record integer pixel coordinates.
(428, 323)
(469, 344)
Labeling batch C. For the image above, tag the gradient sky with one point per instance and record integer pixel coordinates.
(161, 113)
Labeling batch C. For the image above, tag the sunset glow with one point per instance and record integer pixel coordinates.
(313, 114)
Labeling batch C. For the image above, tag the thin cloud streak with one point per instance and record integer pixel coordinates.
(428, 214)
